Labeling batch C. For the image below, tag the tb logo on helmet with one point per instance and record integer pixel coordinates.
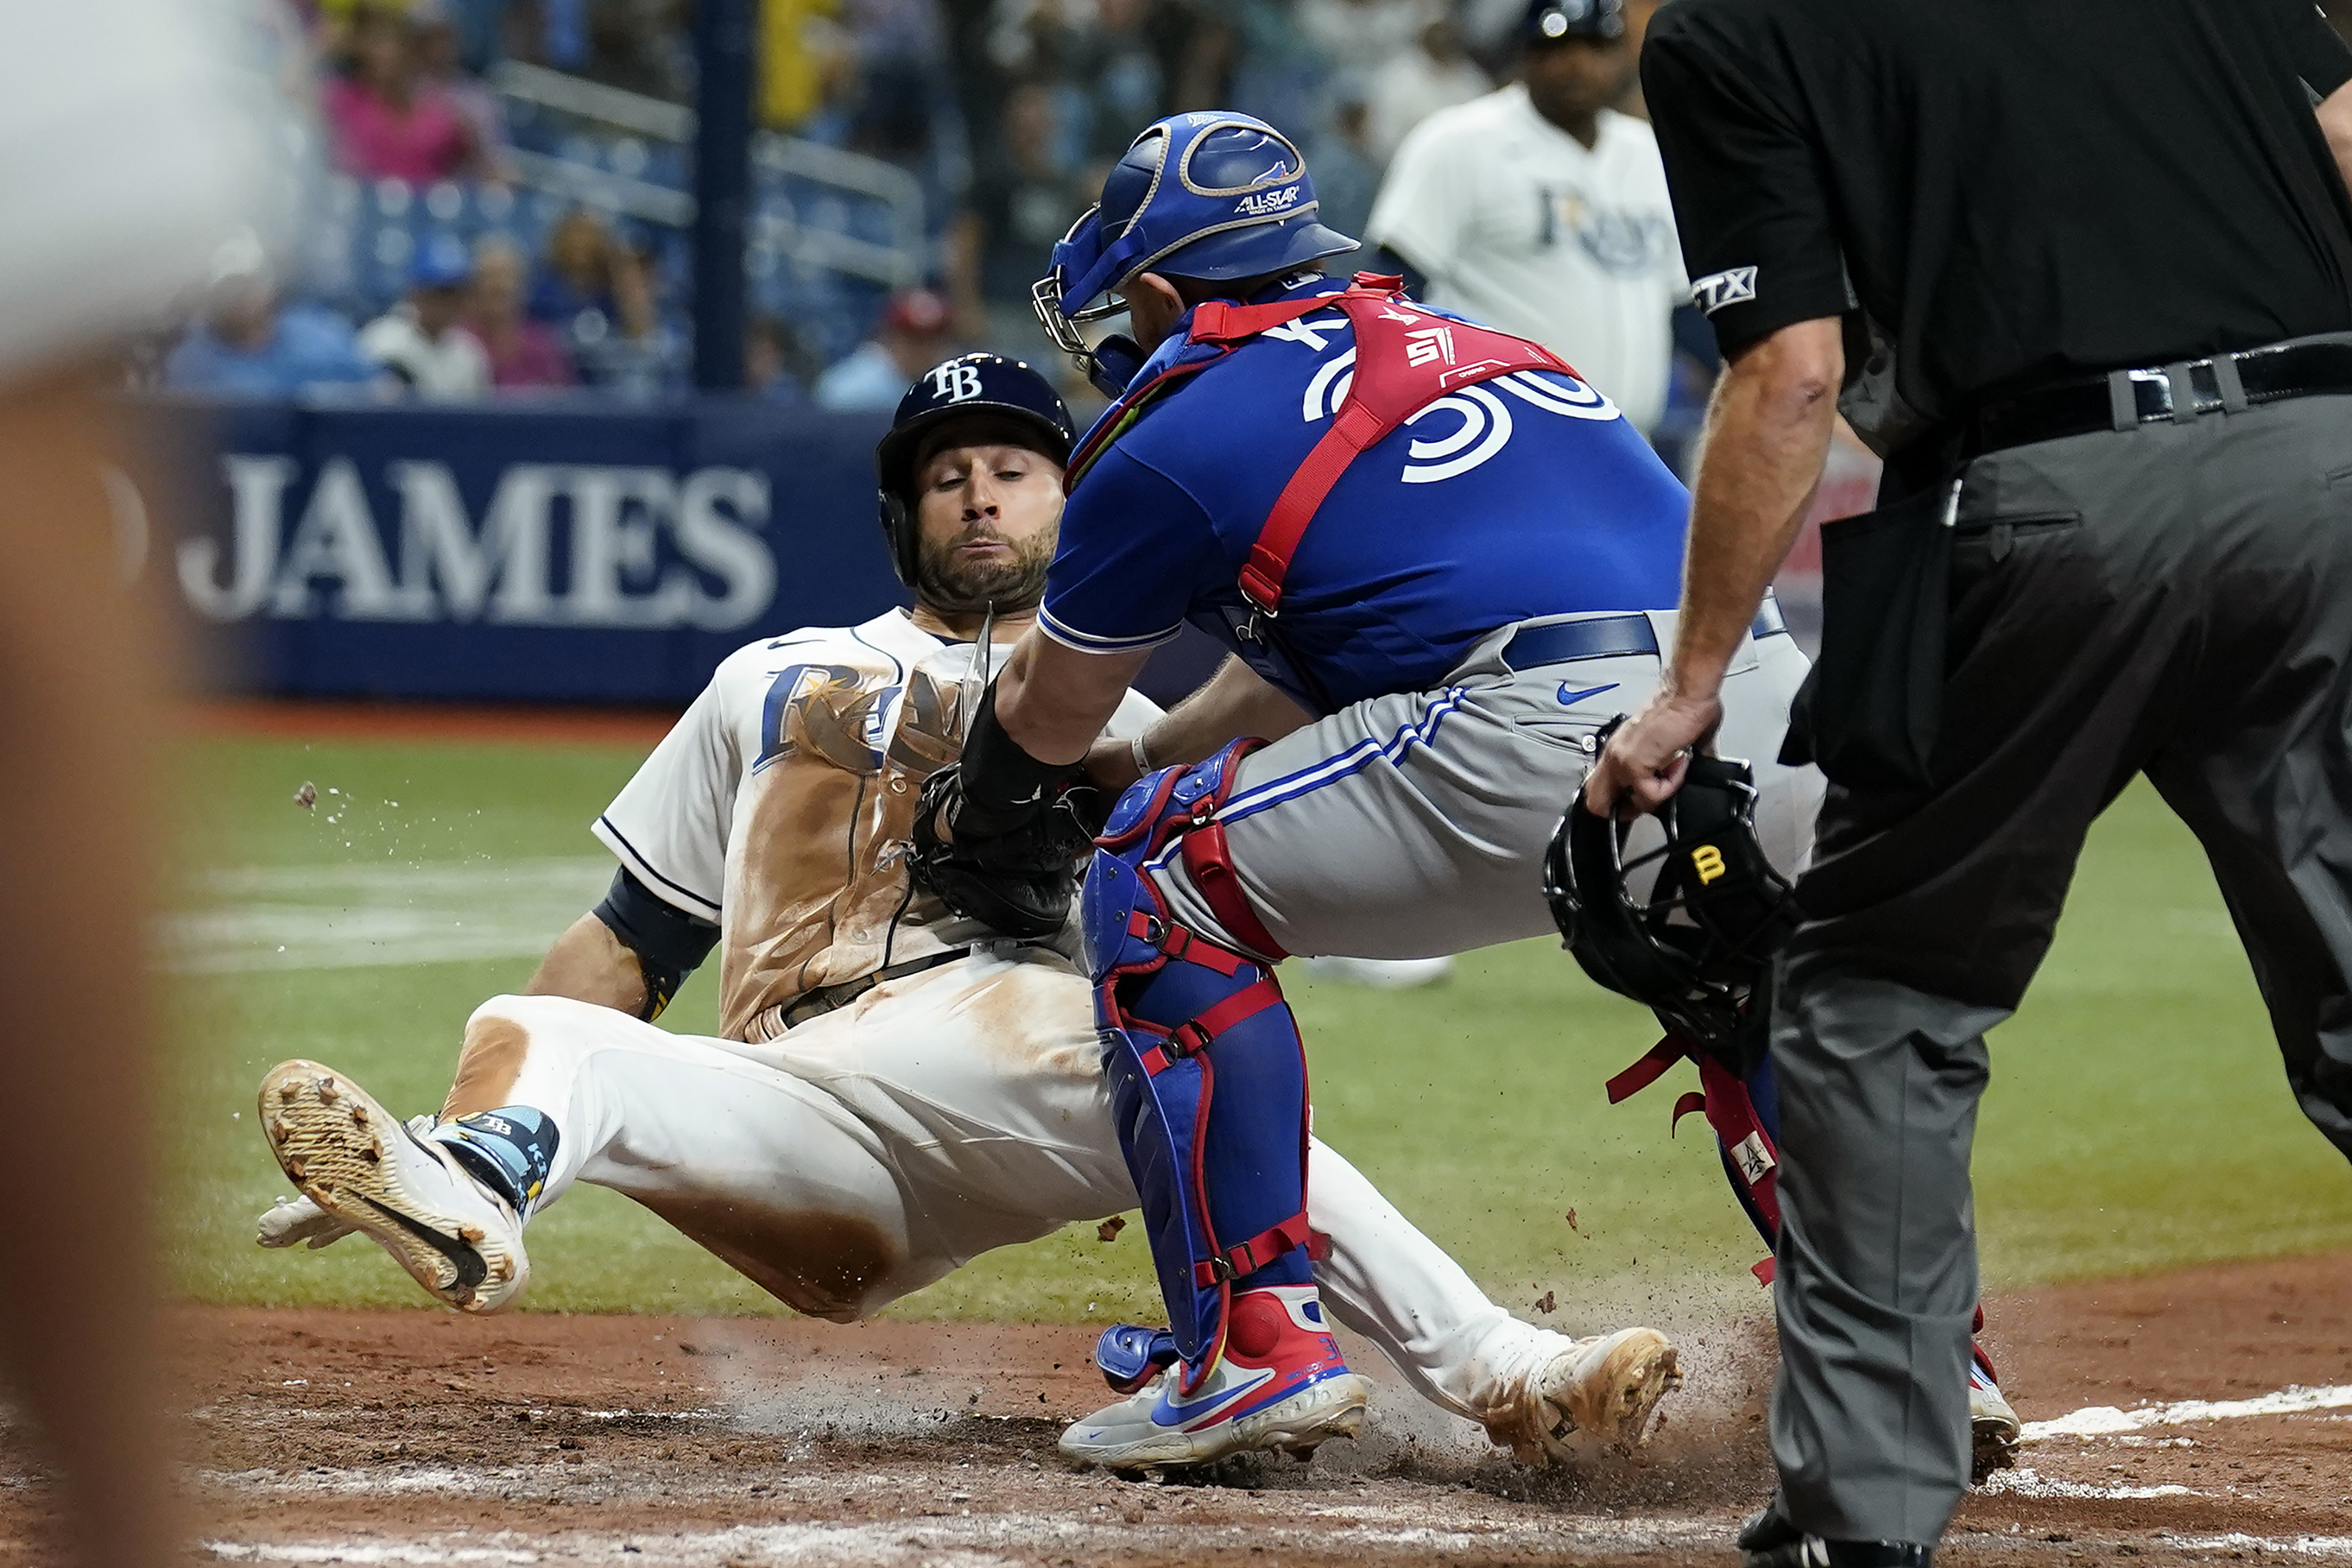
(957, 381)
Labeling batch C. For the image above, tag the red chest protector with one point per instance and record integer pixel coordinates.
(1406, 359)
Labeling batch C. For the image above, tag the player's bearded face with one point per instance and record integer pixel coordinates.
(990, 516)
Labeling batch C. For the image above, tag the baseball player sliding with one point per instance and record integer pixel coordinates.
(1443, 563)
(894, 1089)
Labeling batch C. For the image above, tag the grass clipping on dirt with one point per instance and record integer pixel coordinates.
(2137, 1118)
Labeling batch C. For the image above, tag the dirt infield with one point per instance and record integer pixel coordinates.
(422, 1437)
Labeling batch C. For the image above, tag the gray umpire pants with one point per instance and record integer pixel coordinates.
(2176, 600)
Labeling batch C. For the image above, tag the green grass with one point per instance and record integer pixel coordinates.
(2137, 1118)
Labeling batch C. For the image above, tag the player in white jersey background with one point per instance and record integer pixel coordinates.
(1540, 211)
(893, 1092)
(130, 147)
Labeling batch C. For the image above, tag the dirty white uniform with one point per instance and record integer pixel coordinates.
(1520, 226)
(846, 1160)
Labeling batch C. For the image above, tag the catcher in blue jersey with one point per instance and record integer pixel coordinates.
(1442, 562)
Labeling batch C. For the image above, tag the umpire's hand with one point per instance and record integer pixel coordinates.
(1643, 763)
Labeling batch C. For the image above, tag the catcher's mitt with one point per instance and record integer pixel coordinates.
(1019, 883)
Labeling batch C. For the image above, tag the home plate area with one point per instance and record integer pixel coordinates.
(2193, 1417)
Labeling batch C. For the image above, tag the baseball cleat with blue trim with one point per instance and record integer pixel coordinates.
(1281, 1384)
(1601, 1390)
(362, 1168)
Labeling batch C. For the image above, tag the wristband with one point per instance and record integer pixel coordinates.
(1142, 758)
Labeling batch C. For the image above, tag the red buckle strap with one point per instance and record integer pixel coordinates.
(1649, 1069)
(1181, 944)
(1210, 862)
(1255, 1253)
(1192, 1036)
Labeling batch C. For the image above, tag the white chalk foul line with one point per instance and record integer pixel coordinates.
(2105, 1420)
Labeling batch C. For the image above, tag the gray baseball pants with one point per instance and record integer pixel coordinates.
(1414, 825)
(2174, 599)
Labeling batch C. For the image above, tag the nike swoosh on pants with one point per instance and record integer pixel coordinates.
(1570, 699)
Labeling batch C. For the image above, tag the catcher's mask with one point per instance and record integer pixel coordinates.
(1681, 911)
(1210, 194)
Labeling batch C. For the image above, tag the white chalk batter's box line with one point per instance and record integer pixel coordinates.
(2108, 1421)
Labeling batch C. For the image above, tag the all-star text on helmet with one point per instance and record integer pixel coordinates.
(1211, 194)
(953, 389)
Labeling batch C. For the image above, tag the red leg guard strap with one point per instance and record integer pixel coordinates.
(1194, 1034)
(1254, 1253)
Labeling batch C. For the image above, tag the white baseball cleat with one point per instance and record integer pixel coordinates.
(296, 1221)
(363, 1170)
(1994, 1430)
(1605, 1388)
(1281, 1383)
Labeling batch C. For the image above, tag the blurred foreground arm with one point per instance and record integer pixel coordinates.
(78, 1328)
(1768, 435)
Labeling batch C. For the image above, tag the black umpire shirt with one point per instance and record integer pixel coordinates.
(2012, 192)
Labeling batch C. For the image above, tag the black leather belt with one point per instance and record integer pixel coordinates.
(2078, 407)
(825, 998)
(1610, 637)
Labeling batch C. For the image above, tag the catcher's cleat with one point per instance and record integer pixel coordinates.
(1994, 1430)
(1281, 1384)
(363, 1169)
(1605, 1389)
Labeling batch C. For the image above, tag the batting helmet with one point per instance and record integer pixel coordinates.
(1686, 919)
(952, 389)
(1211, 195)
(1557, 21)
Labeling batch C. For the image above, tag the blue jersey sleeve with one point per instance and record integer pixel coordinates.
(1136, 549)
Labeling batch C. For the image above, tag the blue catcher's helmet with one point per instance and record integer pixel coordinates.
(1211, 194)
(968, 384)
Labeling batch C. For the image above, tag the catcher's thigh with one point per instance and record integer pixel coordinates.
(1414, 825)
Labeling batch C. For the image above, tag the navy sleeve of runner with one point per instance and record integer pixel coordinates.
(1750, 193)
(1136, 549)
(670, 944)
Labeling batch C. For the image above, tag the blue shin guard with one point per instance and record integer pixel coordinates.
(1207, 1076)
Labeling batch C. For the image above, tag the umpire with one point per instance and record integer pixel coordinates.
(2083, 273)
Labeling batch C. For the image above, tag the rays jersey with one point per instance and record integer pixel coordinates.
(780, 805)
(1520, 226)
(1524, 496)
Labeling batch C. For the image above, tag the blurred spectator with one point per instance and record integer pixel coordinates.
(1435, 73)
(1359, 35)
(576, 275)
(638, 45)
(804, 51)
(389, 120)
(1543, 212)
(249, 344)
(523, 353)
(632, 352)
(913, 338)
(776, 363)
(1022, 202)
(421, 342)
(440, 48)
(1125, 73)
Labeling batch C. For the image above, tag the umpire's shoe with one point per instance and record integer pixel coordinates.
(1281, 1383)
(355, 1160)
(1598, 1392)
(1771, 1540)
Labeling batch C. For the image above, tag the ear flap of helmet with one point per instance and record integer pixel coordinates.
(898, 534)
